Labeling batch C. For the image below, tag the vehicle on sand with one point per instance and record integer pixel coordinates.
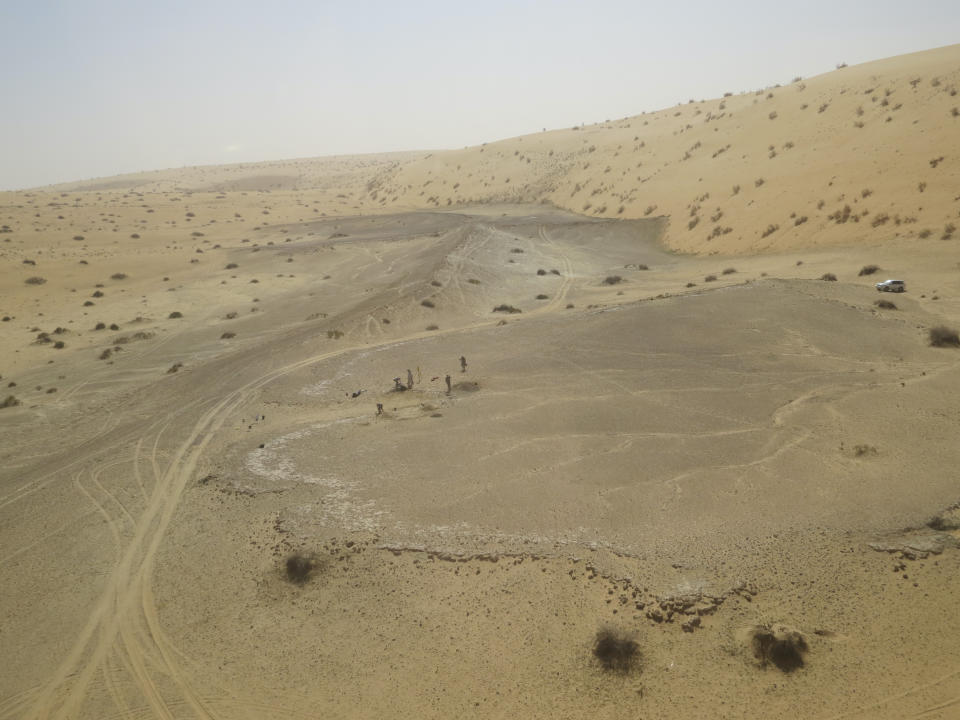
(891, 286)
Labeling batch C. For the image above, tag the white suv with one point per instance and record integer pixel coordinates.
(891, 286)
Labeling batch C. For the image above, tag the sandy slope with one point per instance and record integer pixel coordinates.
(708, 444)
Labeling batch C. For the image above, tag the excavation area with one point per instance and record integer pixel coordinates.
(499, 462)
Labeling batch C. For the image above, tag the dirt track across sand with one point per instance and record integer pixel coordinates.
(685, 463)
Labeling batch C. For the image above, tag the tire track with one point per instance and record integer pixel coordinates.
(123, 630)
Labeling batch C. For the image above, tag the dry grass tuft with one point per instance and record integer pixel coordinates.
(298, 568)
(779, 645)
(616, 650)
(942, 336)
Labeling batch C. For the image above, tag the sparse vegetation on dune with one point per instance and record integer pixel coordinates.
(507, 309)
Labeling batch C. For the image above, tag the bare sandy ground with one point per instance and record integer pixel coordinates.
(678, 447)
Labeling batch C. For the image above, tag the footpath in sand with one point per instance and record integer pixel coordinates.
(221, 527)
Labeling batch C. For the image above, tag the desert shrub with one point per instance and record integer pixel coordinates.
(135, 236)
(298, 568)
(541, 271)
(174, 368)
(729, 271)
(924, 234)
(943, 523)
(231, 266)
(616, 650)
(612, 280)
(88, 303)
(334, 334)
(507, 309)
(691, 284)
(432, 327)
(770, 230)
(867, 270)
(106, 354)
(710, 278)
(758, 182)
(830, 277)
(436, 283)
(114, 326)
(35, 280)
(228, 335)
(100, 326)
(118, 276)
(473, 281)
(59, 345)
(175, 314)
(778, 645)
(78, 238)
(885, 305)
(517, 250)
(773, 115)
(427, 303)
(11, 401)
(942, 336)
(541, 296)
(649, 209)
(736, 189)
(570, 306)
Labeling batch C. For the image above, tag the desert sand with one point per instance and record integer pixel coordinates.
(673, 428)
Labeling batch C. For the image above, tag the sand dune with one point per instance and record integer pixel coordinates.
(664, 433)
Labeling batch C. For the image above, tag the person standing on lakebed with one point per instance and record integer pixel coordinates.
(463, 363)
(448, 384)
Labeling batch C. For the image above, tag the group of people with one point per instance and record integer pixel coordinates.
(398, 385)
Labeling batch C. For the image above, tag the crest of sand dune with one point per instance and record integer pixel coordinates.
(618, 475)
(854, 155)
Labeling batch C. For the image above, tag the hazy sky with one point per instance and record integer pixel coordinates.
(99, 87)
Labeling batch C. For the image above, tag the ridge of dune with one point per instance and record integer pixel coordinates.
(863, 153)
(771, 169)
